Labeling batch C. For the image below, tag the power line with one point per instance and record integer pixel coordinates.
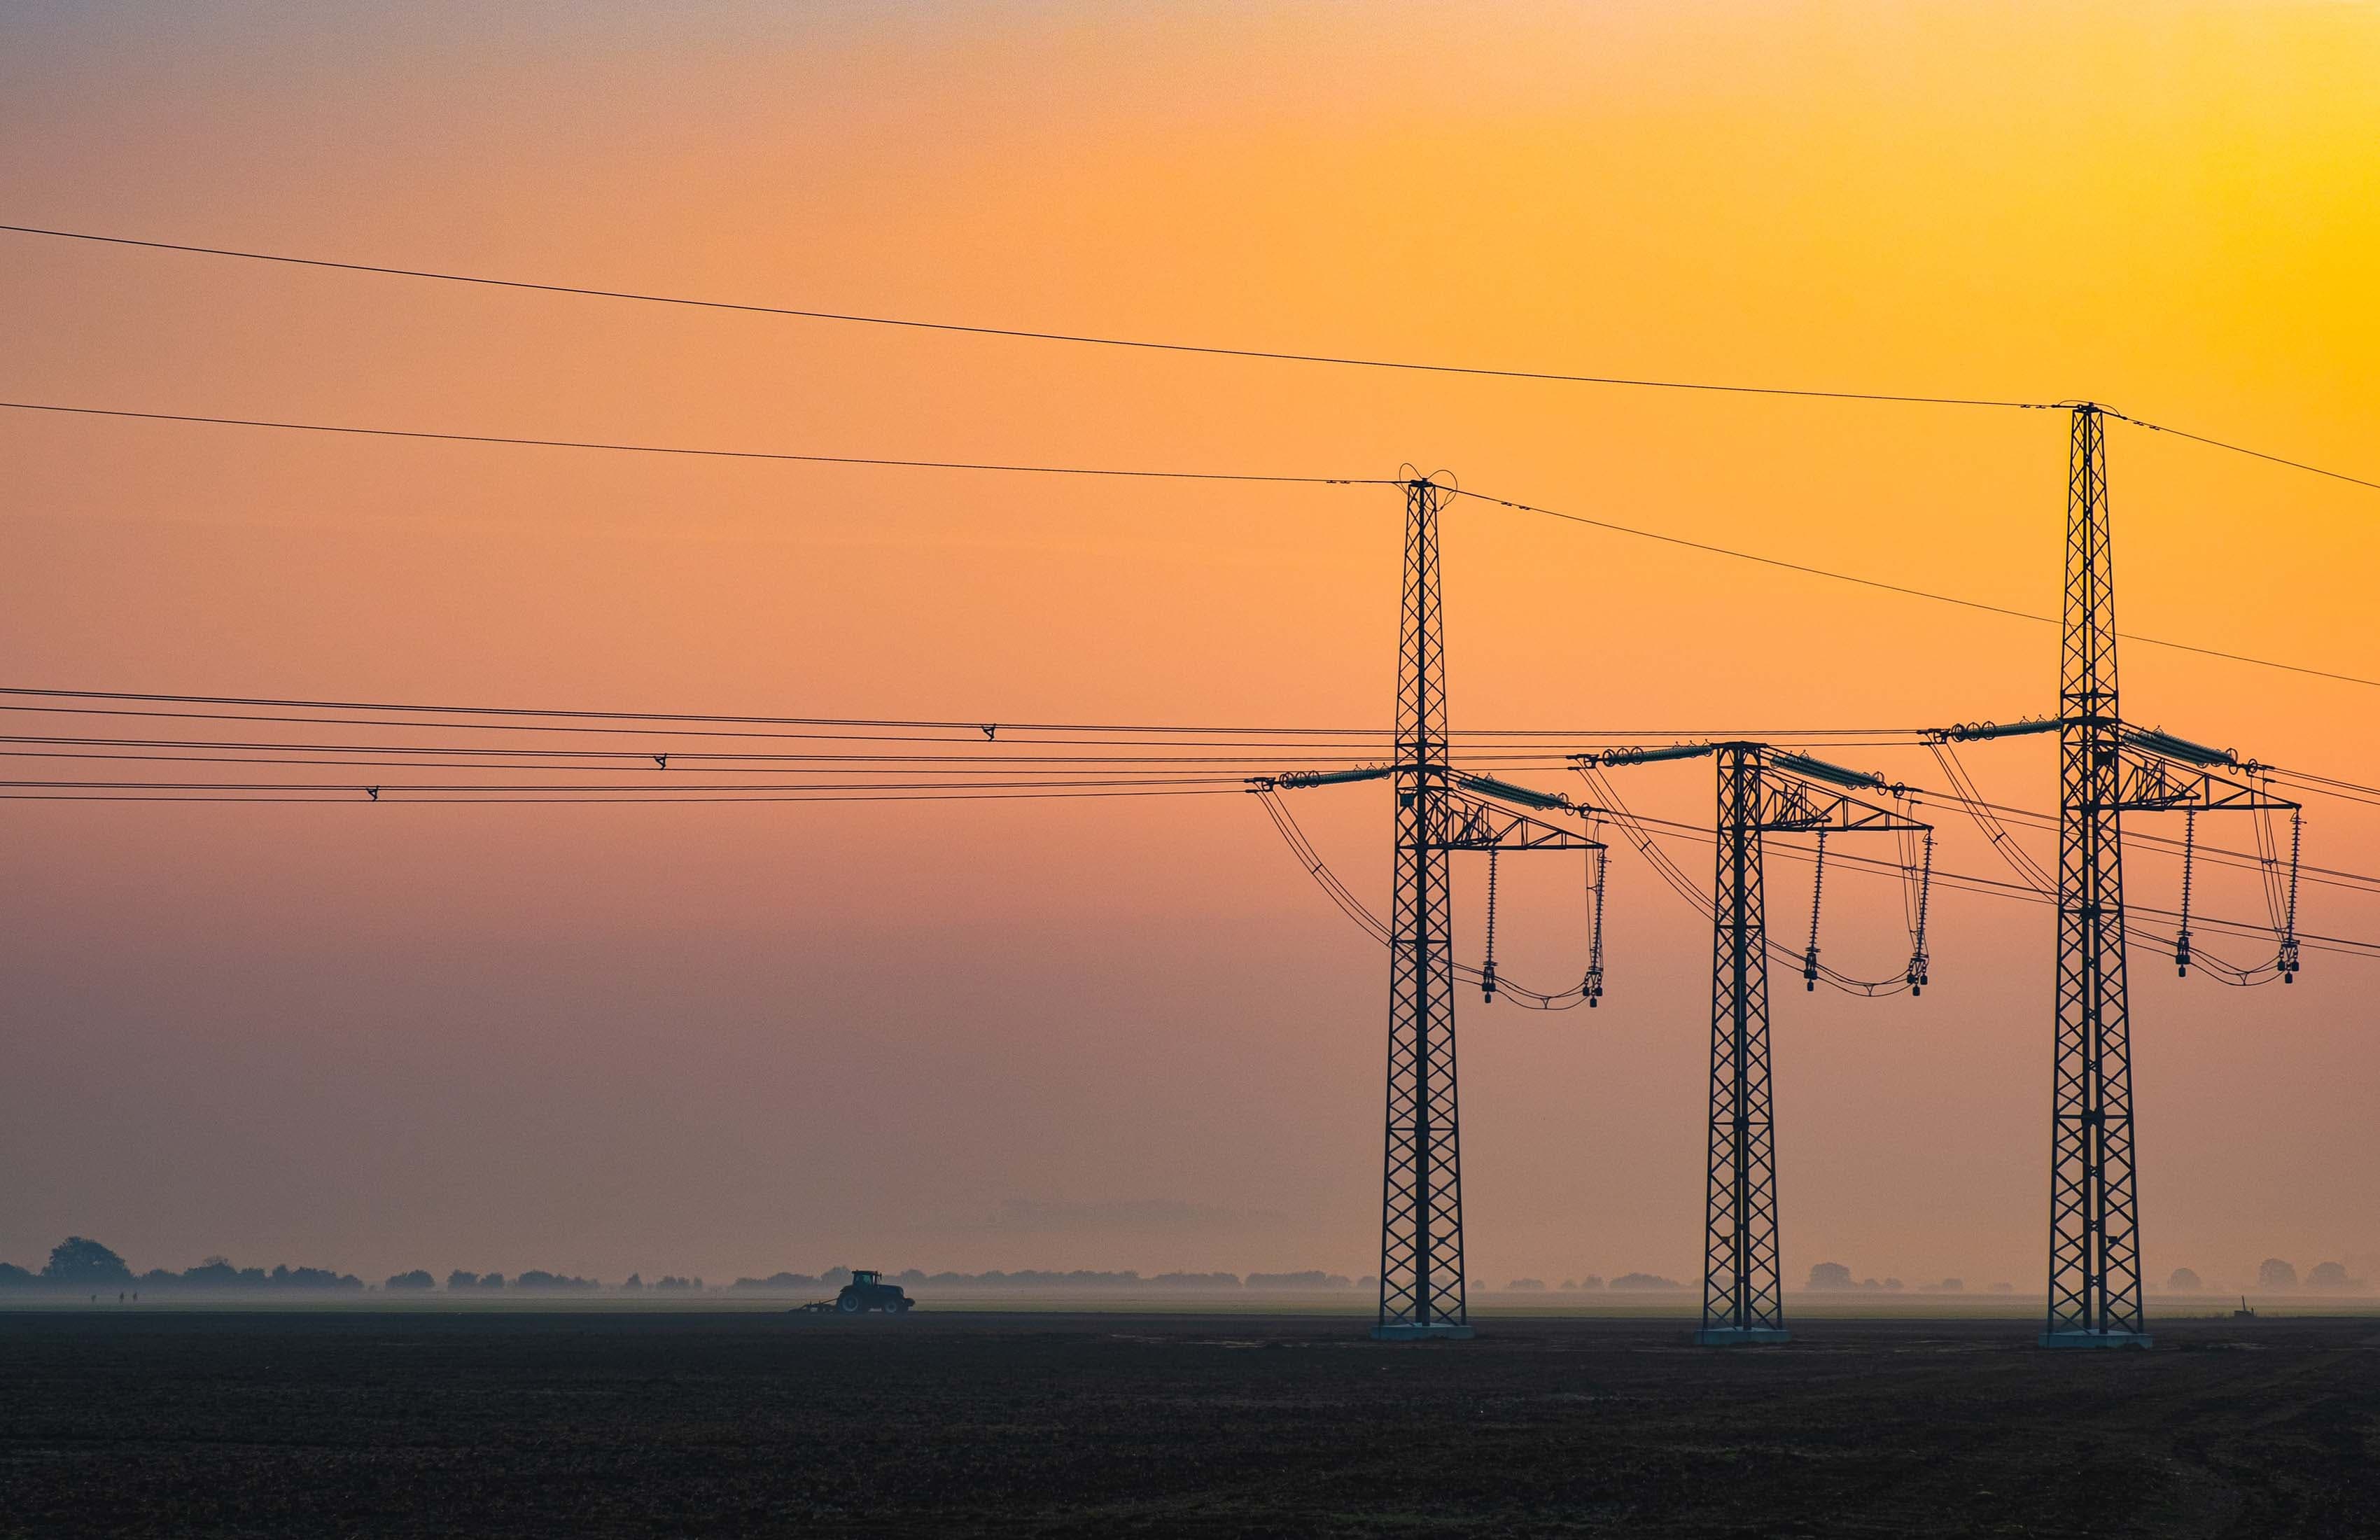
(1221, 768)
(613, 759)
(1142, 474)
(2242, 449)
(1021, 333)
(968, 729)
(345, 796)
(877, 460)
(1227, 782)
(1996, 888)
(1937, 597)
(1084, 339)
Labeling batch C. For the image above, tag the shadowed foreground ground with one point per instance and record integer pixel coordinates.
(701, 1424)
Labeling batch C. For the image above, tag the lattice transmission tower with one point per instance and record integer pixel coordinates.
(1421, 1197)
(2106, 769)
(1762, 790)
(1440, 809)
(2095, 1255)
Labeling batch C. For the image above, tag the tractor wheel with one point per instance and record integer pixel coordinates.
(849, 1305)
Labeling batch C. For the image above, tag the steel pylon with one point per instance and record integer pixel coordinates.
(1743, 1298)
(2094, 1260)
(1762, 790)
(1421, 1202)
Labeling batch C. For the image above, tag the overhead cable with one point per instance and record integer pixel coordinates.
(1026, 335)
(619, 448)
(1903, 589)
(1147, 474)
(2240, 449)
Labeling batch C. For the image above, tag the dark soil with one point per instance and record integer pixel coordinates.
(502, 1423)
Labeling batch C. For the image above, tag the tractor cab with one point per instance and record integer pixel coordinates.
(868, 1291)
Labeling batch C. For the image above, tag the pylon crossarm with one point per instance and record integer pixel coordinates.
(1467, 822)
(1505, 791)
(1789, 805)
(2151, 783)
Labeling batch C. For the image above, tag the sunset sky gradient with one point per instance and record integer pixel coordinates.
(1122, 1033)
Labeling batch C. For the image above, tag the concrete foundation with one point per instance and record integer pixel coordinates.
(2095, 1339)
(1422, 1331)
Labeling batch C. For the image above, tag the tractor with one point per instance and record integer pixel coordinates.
(866, 1291)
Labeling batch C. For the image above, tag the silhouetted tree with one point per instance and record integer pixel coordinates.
(2331, 1278)
(458, 1278)
(85, 1264)
(2183, 1282)
(1829, 1274)
(14, 1276)
(418, 1278)
(2276, 1274)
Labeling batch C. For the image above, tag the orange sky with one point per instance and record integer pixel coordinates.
(739, 1039)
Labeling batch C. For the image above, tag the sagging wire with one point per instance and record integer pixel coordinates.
(1355, 909)
(2268, 861)
(2188, 953)
(2280, 893)
(1964, 791)
(1316, 867)
(1641, 837)
(2281, 901)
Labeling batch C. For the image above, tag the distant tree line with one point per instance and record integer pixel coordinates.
(76, 1262)
(79, 1264)
(834, 1278)
(2278, 1276)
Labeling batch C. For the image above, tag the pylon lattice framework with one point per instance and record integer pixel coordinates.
(1422, 1292)
(2094, 1260)
(1742, 1290)
(1742, 1286)
(2106, 769)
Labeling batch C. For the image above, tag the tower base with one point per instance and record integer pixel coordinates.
(2095, 1339)
(1740, 1335)
(1422, 1331)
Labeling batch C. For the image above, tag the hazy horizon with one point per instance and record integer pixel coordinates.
(1114, 1034)
(1635, 1281)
